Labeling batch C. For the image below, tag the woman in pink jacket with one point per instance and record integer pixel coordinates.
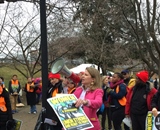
(90, 95)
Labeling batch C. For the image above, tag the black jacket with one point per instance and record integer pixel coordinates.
(5, 116)
(30, 96)
(139, 99)
(49, 111)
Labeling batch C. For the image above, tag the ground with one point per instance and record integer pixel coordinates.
(29, 120)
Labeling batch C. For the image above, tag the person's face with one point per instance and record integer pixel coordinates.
(125, 75)
(86, 78)
(65, 81)
(14, 77)
(1, 80)
(106, 81)
(138, 80)
(29, 80)
(54, 81)
(70, 85)
(115, 78)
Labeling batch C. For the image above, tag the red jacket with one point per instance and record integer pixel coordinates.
(129, 97)
(39, 90)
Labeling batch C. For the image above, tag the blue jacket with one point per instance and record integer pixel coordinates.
(116, 96)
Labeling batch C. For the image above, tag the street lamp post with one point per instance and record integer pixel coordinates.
(44, 50)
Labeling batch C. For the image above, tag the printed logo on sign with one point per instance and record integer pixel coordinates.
(149, 121)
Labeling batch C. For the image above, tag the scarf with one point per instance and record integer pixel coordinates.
(113, 85)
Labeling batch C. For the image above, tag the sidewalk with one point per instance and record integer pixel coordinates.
(29, 120)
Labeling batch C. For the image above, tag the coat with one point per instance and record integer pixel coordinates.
(49, 110)
(30, 96)
(5, 116)
(117, 97)
(95, 102)
(150, 95)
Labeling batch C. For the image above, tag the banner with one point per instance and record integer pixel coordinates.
(152, 123)
(72, 118)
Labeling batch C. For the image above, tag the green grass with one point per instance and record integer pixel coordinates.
(8, 72)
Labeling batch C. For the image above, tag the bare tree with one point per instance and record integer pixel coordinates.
(20, 37)
(144, 31)
(20, 33)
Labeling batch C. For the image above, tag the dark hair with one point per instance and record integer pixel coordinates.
(2, 78)
(14, 75)
(119, 75)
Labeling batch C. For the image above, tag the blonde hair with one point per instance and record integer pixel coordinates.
(103, 78)
(96, 76)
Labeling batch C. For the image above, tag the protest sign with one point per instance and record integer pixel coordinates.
(72, 118)
(14, 124)
(18, 124)
(127, 121)
(152, 123)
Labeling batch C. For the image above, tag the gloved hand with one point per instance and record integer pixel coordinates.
(108, 90)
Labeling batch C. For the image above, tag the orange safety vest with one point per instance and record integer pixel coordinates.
(1, 89)
(2, 102)
(15, 82)
(54, 92)
(70, 91)
(29, 89)
(123, 100)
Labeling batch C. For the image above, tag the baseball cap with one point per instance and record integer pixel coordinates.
(125, 71)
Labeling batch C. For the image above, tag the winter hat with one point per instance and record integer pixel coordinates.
(37, 80)
(56, 76)
(125, 71)
(143, 75)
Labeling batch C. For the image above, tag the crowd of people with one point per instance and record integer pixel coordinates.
(10, 99)
(121, 95)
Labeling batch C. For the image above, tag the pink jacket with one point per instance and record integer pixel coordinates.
(95, 101)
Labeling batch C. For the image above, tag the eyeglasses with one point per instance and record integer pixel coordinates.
(123, 73)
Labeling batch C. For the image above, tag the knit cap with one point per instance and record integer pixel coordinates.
(143, 75)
